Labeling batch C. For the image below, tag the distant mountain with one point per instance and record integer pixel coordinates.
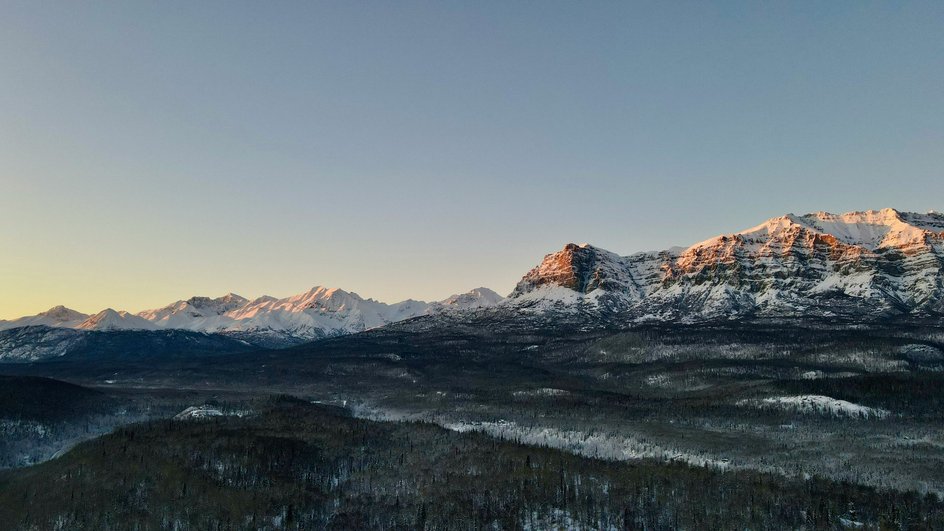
(196, 313)
(860, 264)
(107, 320)
(471, 300)
(59, 316)
(265, 321)
(318, 312)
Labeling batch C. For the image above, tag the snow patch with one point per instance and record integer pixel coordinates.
(546, 391)
(817, 404)
(207, 411)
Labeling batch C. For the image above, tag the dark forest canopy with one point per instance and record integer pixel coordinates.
(299, 466)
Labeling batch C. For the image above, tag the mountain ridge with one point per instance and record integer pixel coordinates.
(864, 263)
(315, 313)
(859, 266)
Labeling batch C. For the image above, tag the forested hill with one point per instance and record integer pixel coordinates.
(299, 466)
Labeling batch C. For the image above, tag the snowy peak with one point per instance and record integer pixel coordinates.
(218, 305)
(195, 313)
(315, 313)
(875, 262)
(851, 236)
(58, 316)
(318, 312)
(63, 315)
(470, 300)
(871, 230)
(322, 298)
(318, 299)
(864, 263)
(109, 319)
(582, 268)
(475, 298)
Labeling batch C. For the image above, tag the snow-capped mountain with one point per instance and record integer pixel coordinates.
(470, 300)
(109, 319)
(196, 313)
(318, 312)
(864, 264)
(860, 265)
(59, 316)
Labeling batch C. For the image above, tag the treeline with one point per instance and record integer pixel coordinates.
(918, 395)
(299, 466)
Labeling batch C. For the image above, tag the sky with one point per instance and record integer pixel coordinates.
(152, 151)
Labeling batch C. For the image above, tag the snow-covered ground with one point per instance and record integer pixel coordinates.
(557, 519)
(546, 391)
(595, 445)
(206, 411)
(816, 404)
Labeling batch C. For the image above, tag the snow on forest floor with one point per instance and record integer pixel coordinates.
(816, 404)
(205, 411)
(588, 444)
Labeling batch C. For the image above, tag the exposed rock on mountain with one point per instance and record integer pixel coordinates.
(865, 264)
(860, 265)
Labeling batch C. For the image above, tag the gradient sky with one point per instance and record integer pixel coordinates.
(151, 151)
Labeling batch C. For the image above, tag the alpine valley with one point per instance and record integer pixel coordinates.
(794, 368)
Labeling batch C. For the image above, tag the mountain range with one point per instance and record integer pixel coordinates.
(871, 264)
(859, 265)
(316, 313)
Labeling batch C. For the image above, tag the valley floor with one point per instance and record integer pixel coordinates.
(294, 465)
(837, 413)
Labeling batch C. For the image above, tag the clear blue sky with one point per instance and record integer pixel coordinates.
(150, 151)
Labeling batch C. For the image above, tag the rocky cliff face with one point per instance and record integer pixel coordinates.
(865, 264)
(581, 268)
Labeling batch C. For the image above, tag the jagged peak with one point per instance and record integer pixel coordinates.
(484, 292)
(324, 293)
(868, 229)
(111, 319)
(199, 301)
(228, 298)
(476, 297)
(582, 268)
(62, 313)
(586, 249)
(885, 216)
